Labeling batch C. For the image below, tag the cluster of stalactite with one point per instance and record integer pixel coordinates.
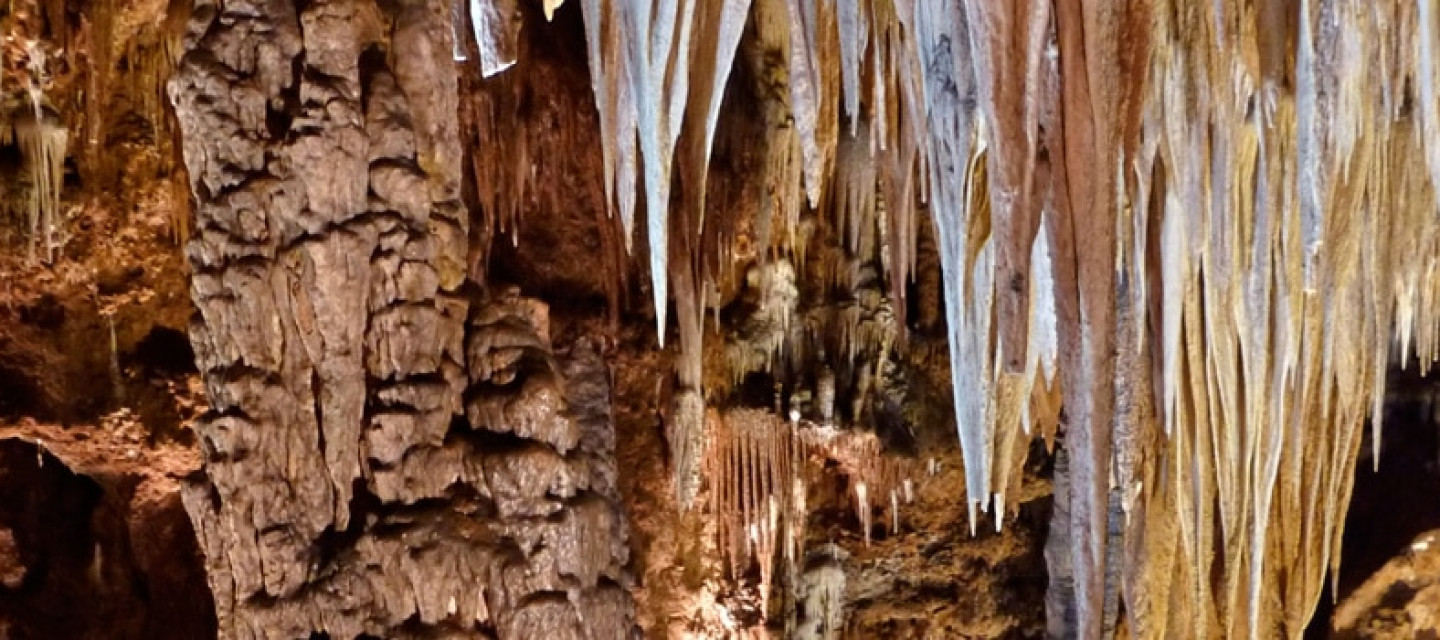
(28, 122)
(130, 50)
(95, 83)
(1210, 227)
(41, 140)
(1281, 231)
(759, 470)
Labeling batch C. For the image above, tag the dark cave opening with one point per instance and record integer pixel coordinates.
(20, 395)
(1391, 506)
(152, 380)
(51, 514)
(75, 562)
(164, 352)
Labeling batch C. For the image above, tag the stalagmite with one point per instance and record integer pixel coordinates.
(894, 512)
(862, 507)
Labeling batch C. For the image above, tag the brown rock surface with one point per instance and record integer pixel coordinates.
(1401, 600)
(344, 492)
(94, 542)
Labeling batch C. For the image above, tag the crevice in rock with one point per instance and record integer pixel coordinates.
(1381, 523)
(163, 352)
(81, 556)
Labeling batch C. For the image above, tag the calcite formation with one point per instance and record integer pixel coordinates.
(1217, 221)
(1208, 227)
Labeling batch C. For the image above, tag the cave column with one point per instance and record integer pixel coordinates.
(322, 150)
(382, 457)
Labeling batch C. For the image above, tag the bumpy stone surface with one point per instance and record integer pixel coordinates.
(343, 491)
(1401, 600)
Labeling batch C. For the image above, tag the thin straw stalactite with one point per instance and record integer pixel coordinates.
(758, 469)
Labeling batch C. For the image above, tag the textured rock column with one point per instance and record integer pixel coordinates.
(544, 421)
(342, 493)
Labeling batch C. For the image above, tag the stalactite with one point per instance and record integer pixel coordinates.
(658, 60)
(42, 143)
(28, 122)
(750, 467)
(814, 42)
(943, 43)
(1193, 223)
(609, 78)
(496, 25)
(1281, 211)
(854, 30)
(718, 27)
(1009, 38)
(758, 468)
(898, 121)
(1427, 76)
(1100, 88)
(98, 31)
(641, 56)
(928, 279)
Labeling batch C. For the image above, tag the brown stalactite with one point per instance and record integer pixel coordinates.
(1010, 39)
(1100, 81)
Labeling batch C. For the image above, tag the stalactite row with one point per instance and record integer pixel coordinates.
(1195, 222)
(759, 470)
(41, 141)
(754, 469)
(91, 84)
(531, 150)
(143, 55)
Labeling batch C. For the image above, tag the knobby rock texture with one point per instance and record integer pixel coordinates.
(384, 455)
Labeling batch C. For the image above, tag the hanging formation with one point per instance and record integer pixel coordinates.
(1199, 222)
